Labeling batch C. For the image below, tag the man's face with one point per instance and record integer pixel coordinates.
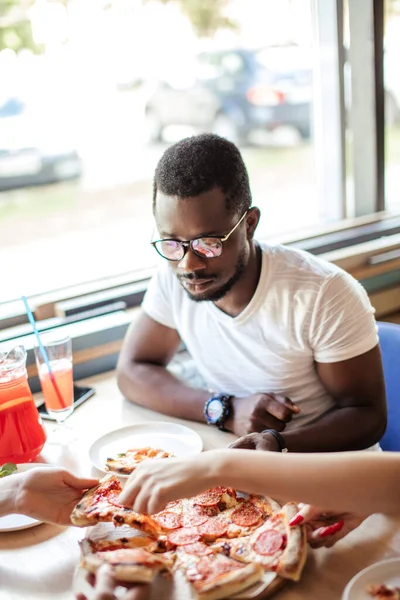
(202, 216)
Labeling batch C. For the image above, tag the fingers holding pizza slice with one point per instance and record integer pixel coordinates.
(100, 505)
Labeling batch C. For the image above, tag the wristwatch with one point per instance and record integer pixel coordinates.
(217, 410)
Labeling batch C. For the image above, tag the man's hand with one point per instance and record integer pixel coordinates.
(256, 441)
(104, 586)
(260, 411)
(49, 494)
(325, 528)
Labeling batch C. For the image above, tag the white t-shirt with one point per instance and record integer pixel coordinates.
(303, 310)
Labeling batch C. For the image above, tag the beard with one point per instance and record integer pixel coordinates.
(219, 293)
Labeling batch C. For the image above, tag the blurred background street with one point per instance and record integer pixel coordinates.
(97, 91)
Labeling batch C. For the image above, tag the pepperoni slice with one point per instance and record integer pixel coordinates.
(213, 528)
(198, 548)
(210, 497)
(246, 515)
(168, 520)
(268, 542)
(184, 536)
(193, 518)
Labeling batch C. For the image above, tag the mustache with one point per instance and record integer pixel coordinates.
(194, 277)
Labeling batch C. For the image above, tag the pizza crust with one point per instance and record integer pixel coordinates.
(295, 554)
(230, 584)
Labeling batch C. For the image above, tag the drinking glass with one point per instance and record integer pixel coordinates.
(57, 383)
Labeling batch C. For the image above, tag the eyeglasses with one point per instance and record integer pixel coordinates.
(205, 247)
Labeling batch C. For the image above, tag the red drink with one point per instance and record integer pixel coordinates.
(22, 435)
(62, 371)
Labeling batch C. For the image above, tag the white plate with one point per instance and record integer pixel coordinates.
(386, 572)
(15, 522)
(170, 437)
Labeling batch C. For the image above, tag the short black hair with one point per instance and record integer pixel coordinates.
(200, 163)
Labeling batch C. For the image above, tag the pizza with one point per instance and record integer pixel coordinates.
(126, 462)
(220, 542)
(275, 545)
(384, 592)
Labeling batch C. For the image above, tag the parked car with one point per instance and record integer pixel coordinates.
(236, 93)
(35, 145)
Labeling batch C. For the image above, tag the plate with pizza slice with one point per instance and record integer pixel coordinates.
(379, 581)
(212, 546)
(121, 450)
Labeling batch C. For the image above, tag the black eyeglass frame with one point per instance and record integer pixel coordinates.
(189, 243)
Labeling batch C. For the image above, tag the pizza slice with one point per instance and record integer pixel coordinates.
(130, 561)
(274, 545)
(126, 462)
(383, 592)
(99, 504)
(213, 576)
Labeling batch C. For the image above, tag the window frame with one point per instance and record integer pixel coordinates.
(101, 310)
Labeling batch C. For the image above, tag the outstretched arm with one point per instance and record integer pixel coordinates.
(362, 483)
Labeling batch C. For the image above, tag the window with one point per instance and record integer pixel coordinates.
(392, 104)
(83, 125)
(76, 168)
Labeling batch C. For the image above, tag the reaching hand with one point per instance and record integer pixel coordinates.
(325, 528)
(48, 494)
(154, 483)
(104, 586)
(261, 411)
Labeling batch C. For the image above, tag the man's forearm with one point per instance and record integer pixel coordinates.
(363, 483)
(155, 387)
(350, 428)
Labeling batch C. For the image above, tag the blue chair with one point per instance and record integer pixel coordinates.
(389, 340)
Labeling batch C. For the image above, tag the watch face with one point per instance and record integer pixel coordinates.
(215, 410)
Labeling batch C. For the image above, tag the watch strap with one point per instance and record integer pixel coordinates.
(279, 438)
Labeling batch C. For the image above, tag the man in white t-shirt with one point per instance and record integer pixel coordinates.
(286, 342)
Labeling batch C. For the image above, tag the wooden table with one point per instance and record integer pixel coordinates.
(39, 563)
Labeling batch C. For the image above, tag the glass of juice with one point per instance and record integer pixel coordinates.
(22, 435)
(57, 383)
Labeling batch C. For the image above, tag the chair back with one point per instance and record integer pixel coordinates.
(389, 340)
